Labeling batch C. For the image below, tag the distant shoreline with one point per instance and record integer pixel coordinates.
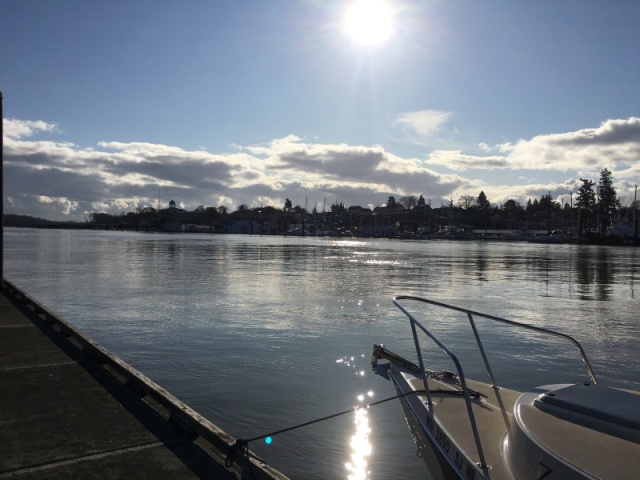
(481, 234)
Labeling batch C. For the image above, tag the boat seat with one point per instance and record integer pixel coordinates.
(605, 403)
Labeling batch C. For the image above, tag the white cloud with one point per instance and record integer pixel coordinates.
(423, 122)
(65, 205)
(458, 161)
(614, 144)
(44, 199)
(17, 129)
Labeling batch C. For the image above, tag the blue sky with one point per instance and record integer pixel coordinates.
(115, 105)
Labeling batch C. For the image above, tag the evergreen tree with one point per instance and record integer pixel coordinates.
(483, 203)
(529, 208)
(609, 204)
(586, 203)
(513, 211)
(545, 203)
(535, 206)
(338, 208)
(485, 207)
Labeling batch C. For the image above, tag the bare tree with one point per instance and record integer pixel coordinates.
(409, 201)
(466, 201)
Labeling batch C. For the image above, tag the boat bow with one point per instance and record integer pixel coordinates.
(467, 429)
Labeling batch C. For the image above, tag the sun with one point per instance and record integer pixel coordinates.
(369, 22)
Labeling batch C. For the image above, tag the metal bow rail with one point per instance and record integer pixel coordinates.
(415, 324)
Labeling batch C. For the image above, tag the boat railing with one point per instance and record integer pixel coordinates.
(471, 315)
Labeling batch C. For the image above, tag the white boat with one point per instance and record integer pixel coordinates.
(621, 229)
(467, 429)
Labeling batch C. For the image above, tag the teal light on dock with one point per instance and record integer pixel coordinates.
(268, 440)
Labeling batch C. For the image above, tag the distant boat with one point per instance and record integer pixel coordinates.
(312, 230)
(621, 229)
(557, 236)
(466, 429)
(295, 229)
(457, 233)
(519, 236)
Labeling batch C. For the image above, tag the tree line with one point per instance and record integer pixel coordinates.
(595, 206)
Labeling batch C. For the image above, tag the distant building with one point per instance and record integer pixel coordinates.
(384, 231)
(358, 209)
(242, 226)
(173, 219)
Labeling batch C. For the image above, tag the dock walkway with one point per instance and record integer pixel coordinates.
(71, 409)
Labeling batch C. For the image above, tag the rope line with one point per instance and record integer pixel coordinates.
(328, 417)
(243, 445)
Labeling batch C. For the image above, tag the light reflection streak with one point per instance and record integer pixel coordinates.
(360, 445)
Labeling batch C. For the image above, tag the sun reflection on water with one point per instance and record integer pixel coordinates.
(360, 445)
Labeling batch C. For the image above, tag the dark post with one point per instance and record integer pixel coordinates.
(1, 195)
(635, 218)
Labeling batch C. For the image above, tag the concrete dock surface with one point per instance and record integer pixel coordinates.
(71, 409)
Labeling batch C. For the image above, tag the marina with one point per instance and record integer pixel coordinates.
(258, 334)
(215, 216)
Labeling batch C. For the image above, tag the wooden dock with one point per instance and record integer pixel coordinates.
(71, 409)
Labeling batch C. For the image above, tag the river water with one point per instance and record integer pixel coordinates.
(259, 333)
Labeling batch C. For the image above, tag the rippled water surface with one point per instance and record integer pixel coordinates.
(262, 333)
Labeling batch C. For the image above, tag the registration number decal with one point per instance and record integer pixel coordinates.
(441, 439)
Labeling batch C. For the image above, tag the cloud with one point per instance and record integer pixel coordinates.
(61, 180)
(339, 165)
(17, 129)
(118, 176)
(615, 144)
(331, 161)
(423, 122)
(458, 161)
(611, 132)
(65, 205)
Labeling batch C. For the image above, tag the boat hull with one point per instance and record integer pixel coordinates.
(530, 439)
(445, 458)
(439, 468)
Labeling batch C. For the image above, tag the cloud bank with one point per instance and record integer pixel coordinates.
(615, 144)
(61, 180)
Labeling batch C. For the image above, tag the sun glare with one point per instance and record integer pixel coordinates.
(369, 22)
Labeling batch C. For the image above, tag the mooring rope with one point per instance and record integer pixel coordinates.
(243, 444)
